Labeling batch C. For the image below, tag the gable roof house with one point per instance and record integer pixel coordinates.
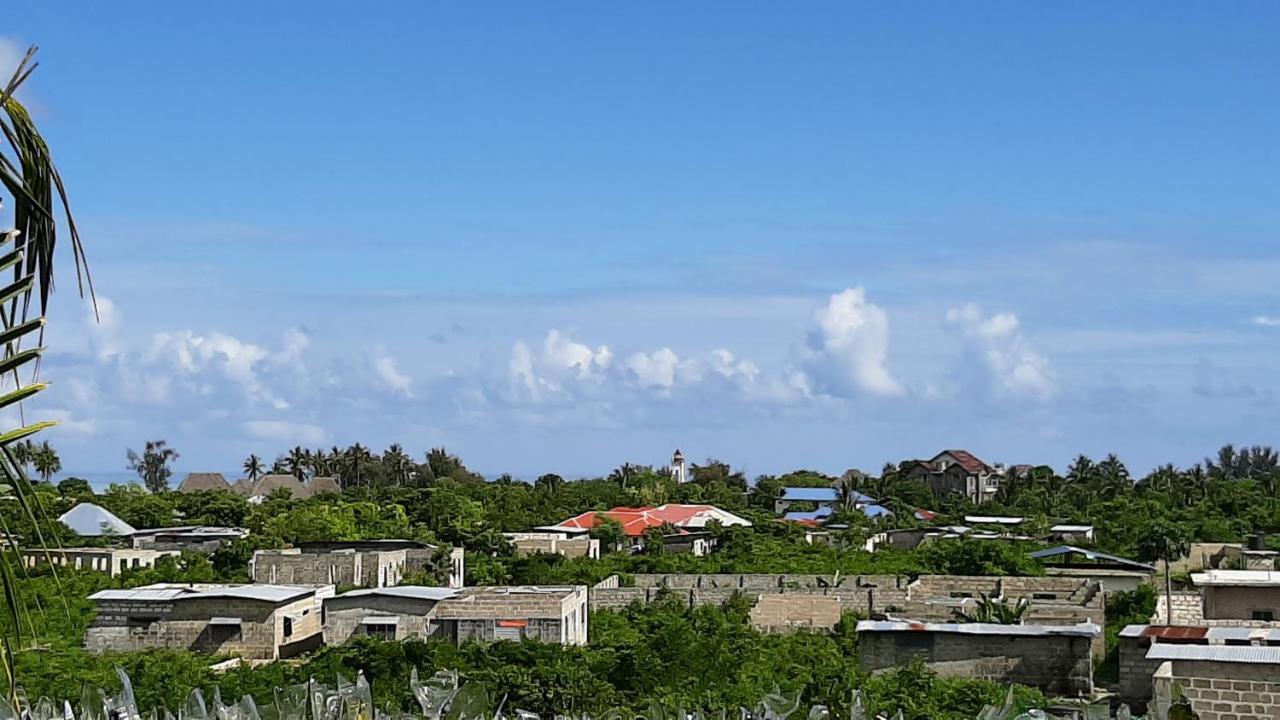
(203, 482)
(953, 472)
(690, 523)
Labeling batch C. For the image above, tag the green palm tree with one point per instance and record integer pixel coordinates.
(46, 461)
(253, 467)
(296, 462)
(35, 190)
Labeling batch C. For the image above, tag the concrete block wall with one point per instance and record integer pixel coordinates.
(779, 612)
(1135, 685)
(1222, 691)
(1060, 665)
(124, 626)
(1188, 609)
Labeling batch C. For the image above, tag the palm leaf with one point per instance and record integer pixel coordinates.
(31, 179)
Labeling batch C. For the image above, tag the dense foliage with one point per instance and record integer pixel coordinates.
(663, 653)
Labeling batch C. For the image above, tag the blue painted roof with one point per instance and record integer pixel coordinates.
(810, 494)
(819, 514)
(820, 494)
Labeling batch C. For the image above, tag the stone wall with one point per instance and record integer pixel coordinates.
(1060, 665)
(1221, 691)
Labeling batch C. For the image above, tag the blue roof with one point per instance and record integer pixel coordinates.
(819, 514)
(810, 494)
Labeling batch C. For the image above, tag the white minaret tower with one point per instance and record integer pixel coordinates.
(677, 467)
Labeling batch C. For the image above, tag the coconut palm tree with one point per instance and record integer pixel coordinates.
(34, 189)
(46, 461)
(296, 462)
(253, 467)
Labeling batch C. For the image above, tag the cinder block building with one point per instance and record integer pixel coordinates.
(554, 543)
(112, 561)
(475, 614)
(256, 622)
(1138, 666)
(369, 563)
(1221, 683)
(188, 538)
(1239, 594)
(486, 614)
(1055, 658)
(393, 613)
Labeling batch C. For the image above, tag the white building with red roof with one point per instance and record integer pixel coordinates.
(689, 522)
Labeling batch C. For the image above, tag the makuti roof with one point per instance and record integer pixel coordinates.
(200, 482)
(89, 520)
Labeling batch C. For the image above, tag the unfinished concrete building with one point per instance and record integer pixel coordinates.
(1221, 683)
(370, 563)
(1055, 658)
(935, 598)
(475, 614)
(486, 614)
(188, 538)
(256, 622)
(553, 543)
(393, 613)
(112, 561)
(1138, 665)
(1239, 594)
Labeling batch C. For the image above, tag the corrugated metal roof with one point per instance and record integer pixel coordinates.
(813, 494)
(1210, 635)
(414, 592)
(1236, 577)
(1090, 555)
(993, 520)
(229, 621)
(89, 520)
(143, 594)
(1081, 630)
(264, 593)
(381, 620)
(1071, 528)
(1257, 655)
(162, 592)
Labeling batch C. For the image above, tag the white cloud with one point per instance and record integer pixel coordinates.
(995, 352)
(657, 369)
(285, 433)
(846, 348)
(384, 366)
(1265, 320)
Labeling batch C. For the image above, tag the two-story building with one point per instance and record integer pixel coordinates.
(955, 472)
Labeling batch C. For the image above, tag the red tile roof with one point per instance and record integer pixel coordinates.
(968, 461)
(637, 520)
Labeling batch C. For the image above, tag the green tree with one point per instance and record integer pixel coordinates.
(75, 487)
(1164, 541)
(46, 461)
(152, 465)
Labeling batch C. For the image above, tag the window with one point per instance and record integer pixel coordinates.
(288, 627)
(386, 631)
(1044, 596)
(1267, 615)
(961, 595)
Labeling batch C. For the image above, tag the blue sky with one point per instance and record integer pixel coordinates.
(560, 236)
